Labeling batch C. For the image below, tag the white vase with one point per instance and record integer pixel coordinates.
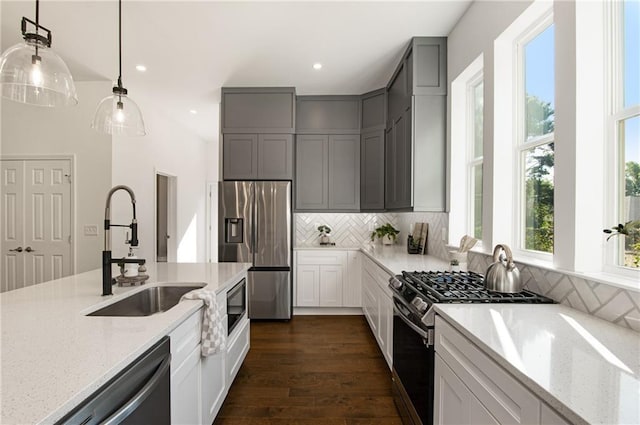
(388, 240)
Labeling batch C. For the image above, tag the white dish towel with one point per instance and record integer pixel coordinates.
(213, 335)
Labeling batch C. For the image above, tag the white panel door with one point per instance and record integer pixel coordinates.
(308, 286)
(44, 224)
(331, 281)
(12, 242)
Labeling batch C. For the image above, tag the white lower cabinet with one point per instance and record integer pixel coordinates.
(455, 404)
(470, 388)
(377, 306)
(185, 391)
(199, 384)
(326, 278)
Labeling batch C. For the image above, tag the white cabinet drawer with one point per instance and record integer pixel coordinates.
(184, 338)
(237, 349)
(503, 396)
(331, 257)
(376, 274)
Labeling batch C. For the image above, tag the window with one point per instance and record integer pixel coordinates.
(475, 96)
(535, 144)
(625, 125)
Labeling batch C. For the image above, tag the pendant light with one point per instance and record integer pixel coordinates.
(118, 114)
(30, 72)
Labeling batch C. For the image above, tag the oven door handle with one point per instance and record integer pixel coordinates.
(416, 329)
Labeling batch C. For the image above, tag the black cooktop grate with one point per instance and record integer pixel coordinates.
(452, 287)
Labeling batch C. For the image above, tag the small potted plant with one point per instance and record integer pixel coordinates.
(631, 233)
(387, 233)
(455, 265)
(324, 234)
(414, 246)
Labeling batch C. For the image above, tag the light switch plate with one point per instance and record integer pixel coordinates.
(90, 230)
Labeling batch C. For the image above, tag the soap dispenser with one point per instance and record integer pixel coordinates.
(131, 269)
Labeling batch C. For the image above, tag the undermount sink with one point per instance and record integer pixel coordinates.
(149, 301)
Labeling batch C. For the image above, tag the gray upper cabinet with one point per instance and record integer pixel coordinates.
(415, 161)
(257, 157)
(312, 167)
(328, 115)
(327, 172)
(258, 110)
(275, 156)
(374, 110)
(372, 170)
(344, 172)
(429, 66)
(240, 157)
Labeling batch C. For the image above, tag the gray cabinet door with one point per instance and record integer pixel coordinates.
(374, 110)
(312, 166)
(258, 110)
(240, 157)
(275, 156)
(429, 63)
(372, 171)
(344, 172)
(328, 115)
(404, 167)
(397, 94)
(390, 169)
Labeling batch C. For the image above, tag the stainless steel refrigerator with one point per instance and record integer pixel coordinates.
(255, 227)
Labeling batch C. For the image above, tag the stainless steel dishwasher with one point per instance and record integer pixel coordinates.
(140, 394)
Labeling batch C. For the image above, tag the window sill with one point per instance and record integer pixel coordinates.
(623, 282)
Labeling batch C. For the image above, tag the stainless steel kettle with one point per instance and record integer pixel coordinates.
(503, 275)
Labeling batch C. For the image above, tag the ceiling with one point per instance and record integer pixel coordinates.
(191, 49)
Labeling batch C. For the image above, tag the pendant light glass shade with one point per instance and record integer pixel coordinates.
(30, 72)
(118, 115)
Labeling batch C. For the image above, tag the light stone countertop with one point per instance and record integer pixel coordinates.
(584, 367)
(394, 259)
(52, 356)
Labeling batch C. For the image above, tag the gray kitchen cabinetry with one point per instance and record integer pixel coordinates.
(372, 158)
(415, 163)
(257, 157)
(372, 153)
(260, 110)
(328, 115)
(328, 172)
(399, 169)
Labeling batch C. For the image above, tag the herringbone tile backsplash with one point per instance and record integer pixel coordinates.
(437, 222)
(347, 230)
(607, 302)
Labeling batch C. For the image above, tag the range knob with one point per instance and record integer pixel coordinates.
(395, 283)
(419, 304)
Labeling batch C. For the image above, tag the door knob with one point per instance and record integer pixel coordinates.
(28, 249)
(18, 249)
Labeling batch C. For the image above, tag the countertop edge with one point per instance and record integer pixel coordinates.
(520, 376)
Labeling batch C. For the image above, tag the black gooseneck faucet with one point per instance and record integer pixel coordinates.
(107, 261)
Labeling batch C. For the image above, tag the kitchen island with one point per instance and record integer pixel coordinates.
(53, 356)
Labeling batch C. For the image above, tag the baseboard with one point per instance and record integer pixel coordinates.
(328, 311)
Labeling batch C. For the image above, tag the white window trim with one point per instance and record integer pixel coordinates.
(458, 159)
(616, 112)
(472, 160)
(508, 126)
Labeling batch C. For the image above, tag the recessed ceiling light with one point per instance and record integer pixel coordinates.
(317, 66)
(141, 68)
(193, 111)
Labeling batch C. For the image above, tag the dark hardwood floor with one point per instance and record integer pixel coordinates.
(313, 370)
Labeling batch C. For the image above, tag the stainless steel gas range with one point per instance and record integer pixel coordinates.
(414, 294)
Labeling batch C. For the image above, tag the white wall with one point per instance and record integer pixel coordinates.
(474, 34)
(170, 148)
(33, 130)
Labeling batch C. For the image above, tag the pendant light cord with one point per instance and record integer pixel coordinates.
(119, 43)
(37, 22)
